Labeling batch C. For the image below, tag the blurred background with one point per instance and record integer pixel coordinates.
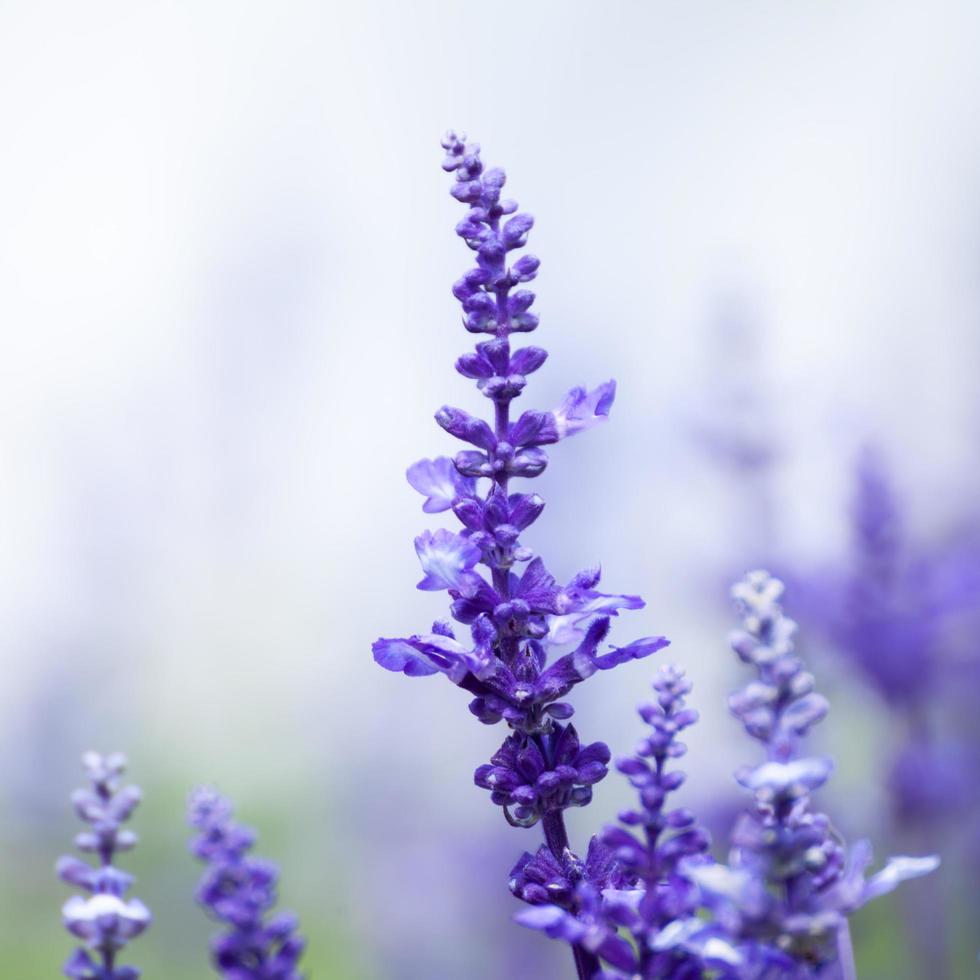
(226, 248)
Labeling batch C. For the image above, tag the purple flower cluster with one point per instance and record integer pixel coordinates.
(903, 614)
(661, 839)
(791, 882)
(240, 891)
(902, 611)
(528, 785)
(647, 901)
(892, 605)
(779, 908)
(632, 880)
(519, 617)
(104, 919)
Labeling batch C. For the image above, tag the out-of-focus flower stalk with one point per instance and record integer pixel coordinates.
(240, 892)
(104, 919)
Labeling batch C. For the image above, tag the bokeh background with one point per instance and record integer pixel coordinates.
(225, 254)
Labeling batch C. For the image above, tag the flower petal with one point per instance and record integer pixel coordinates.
(798, 776)
(446, 560)
(897, 870)
(583, 409)
(439, 482)
(400, 656)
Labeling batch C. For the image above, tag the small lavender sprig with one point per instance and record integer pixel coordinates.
(667, 837)
(633, 878)
(899, 611)
(791, 883)
(518, 619)
(240, 891)
(104, 920)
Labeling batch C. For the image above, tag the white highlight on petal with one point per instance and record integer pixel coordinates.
(446, 559)
(104, 915)
(778, 777)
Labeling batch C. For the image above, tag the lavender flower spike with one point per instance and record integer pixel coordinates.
(515, 665)
(792, 883)
(633, 877)
(239, 891)
(104, 920)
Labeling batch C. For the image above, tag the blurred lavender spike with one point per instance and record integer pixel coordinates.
(104, 919)
(903, 613)
(631, 878)
(792, 883)
(240, 892)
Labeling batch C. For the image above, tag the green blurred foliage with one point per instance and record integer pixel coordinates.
(33, 944)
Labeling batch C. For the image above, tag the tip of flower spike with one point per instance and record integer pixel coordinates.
(104, 767)
(758, 592)
(206, 805)
(240, 892)
(455, 146)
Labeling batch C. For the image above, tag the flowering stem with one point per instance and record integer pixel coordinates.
(556, 836)
(845, 953)
(585, 963)
(541, 768)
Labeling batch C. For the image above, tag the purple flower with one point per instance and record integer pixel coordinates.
(240, 891)
(779, 908)
(418, 656)
(542, 878)
(590, 926)
(903, 613)
(515, 617)
(439, 482)
(104, 919)
(515, 666)
(446, 559)
(885, 611)
(580, 602)
(529, 785)
(635, 867)
(792, 883)
(583, 409)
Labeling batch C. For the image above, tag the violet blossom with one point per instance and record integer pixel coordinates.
(647, 901)
(104, 919)
(900, 612)
(239, 891)
(779, 908)
(632, 881)
(791, 882)
(519, 618)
